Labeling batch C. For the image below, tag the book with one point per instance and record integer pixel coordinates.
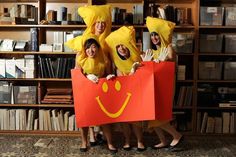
(226, 121)
(210, 125)
(204, 122)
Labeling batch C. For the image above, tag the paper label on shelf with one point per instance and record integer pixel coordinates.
(232, 64)
(210, 65)
(23, 89)
(232, 16)
(211, 9)
(211, 37)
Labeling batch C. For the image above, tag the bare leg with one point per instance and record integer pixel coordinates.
(91, 134)
(161, 137)
(127, 133)
(84, 135)
(171, 130)
(139, 135)
(107, 132)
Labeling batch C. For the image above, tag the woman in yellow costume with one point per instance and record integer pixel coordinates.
(98, 21)
(161, 36)
(125, 55)
(91, 61)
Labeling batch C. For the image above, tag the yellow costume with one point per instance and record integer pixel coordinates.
(90, 65)
(125, 36)
(164, 29)
(96, 13)
(92, 14)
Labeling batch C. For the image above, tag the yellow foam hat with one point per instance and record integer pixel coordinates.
(93, 13)
(125, 36)
(75, 44)
(95, 65)
(164, 29)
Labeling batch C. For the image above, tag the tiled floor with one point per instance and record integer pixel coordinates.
(68, 146)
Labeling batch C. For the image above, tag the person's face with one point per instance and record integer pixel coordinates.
(99, 27)
(155, 38)
(123, 50)
(92, 50)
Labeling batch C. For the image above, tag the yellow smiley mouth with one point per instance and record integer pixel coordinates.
(119, 112)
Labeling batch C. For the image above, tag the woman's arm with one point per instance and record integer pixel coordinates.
(171, 53)
(77, 66)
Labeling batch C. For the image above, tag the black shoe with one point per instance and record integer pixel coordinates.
(127, 148)
(171, 148)
(155, 148)
(113, 151)
(83, 149)
(141, 149)
(100, 140)
(93, 144)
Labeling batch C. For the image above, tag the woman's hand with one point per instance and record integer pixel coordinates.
(92, 78)
(110, 76)
(135, 67)
(163, 55)
(147, 56)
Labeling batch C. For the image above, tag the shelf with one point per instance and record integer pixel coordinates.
(216, 108)
(35, 132)
(172, 1)
(184, 54)
(216, 81)
(183, 81)
(80, 26)
(37, 105)
(216, 54)
(217, 27)
(182, 108)
(67, 1)
(17, 1)
(37, 79)
(124, 1)
(37, 53)
(43, 26)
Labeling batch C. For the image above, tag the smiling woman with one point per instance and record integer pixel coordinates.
(123, 52)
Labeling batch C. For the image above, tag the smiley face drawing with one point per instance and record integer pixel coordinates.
(105, 89)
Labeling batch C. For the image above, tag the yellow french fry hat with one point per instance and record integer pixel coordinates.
(96, 13)
(75, 44)
(123, 36)
(162, 27)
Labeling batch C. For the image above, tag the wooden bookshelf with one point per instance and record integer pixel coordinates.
(191, 60)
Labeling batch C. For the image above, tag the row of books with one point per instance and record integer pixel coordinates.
(179, 15)
(29, 119)
(20, 14)
(185, 96)
(58, 95)
(121, 16)
(55, 67)
(217, 70)
(62, 16)
(216, 124)
(10, 94)
(18, 68)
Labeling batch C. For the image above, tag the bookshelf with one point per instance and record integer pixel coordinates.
(187, 116)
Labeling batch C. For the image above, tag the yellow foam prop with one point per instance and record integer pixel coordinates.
(92, 14)
(95, 65)
(163, 28)
(125, 36)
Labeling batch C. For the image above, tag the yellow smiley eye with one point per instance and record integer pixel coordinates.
(104, 87)
(117, 86)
